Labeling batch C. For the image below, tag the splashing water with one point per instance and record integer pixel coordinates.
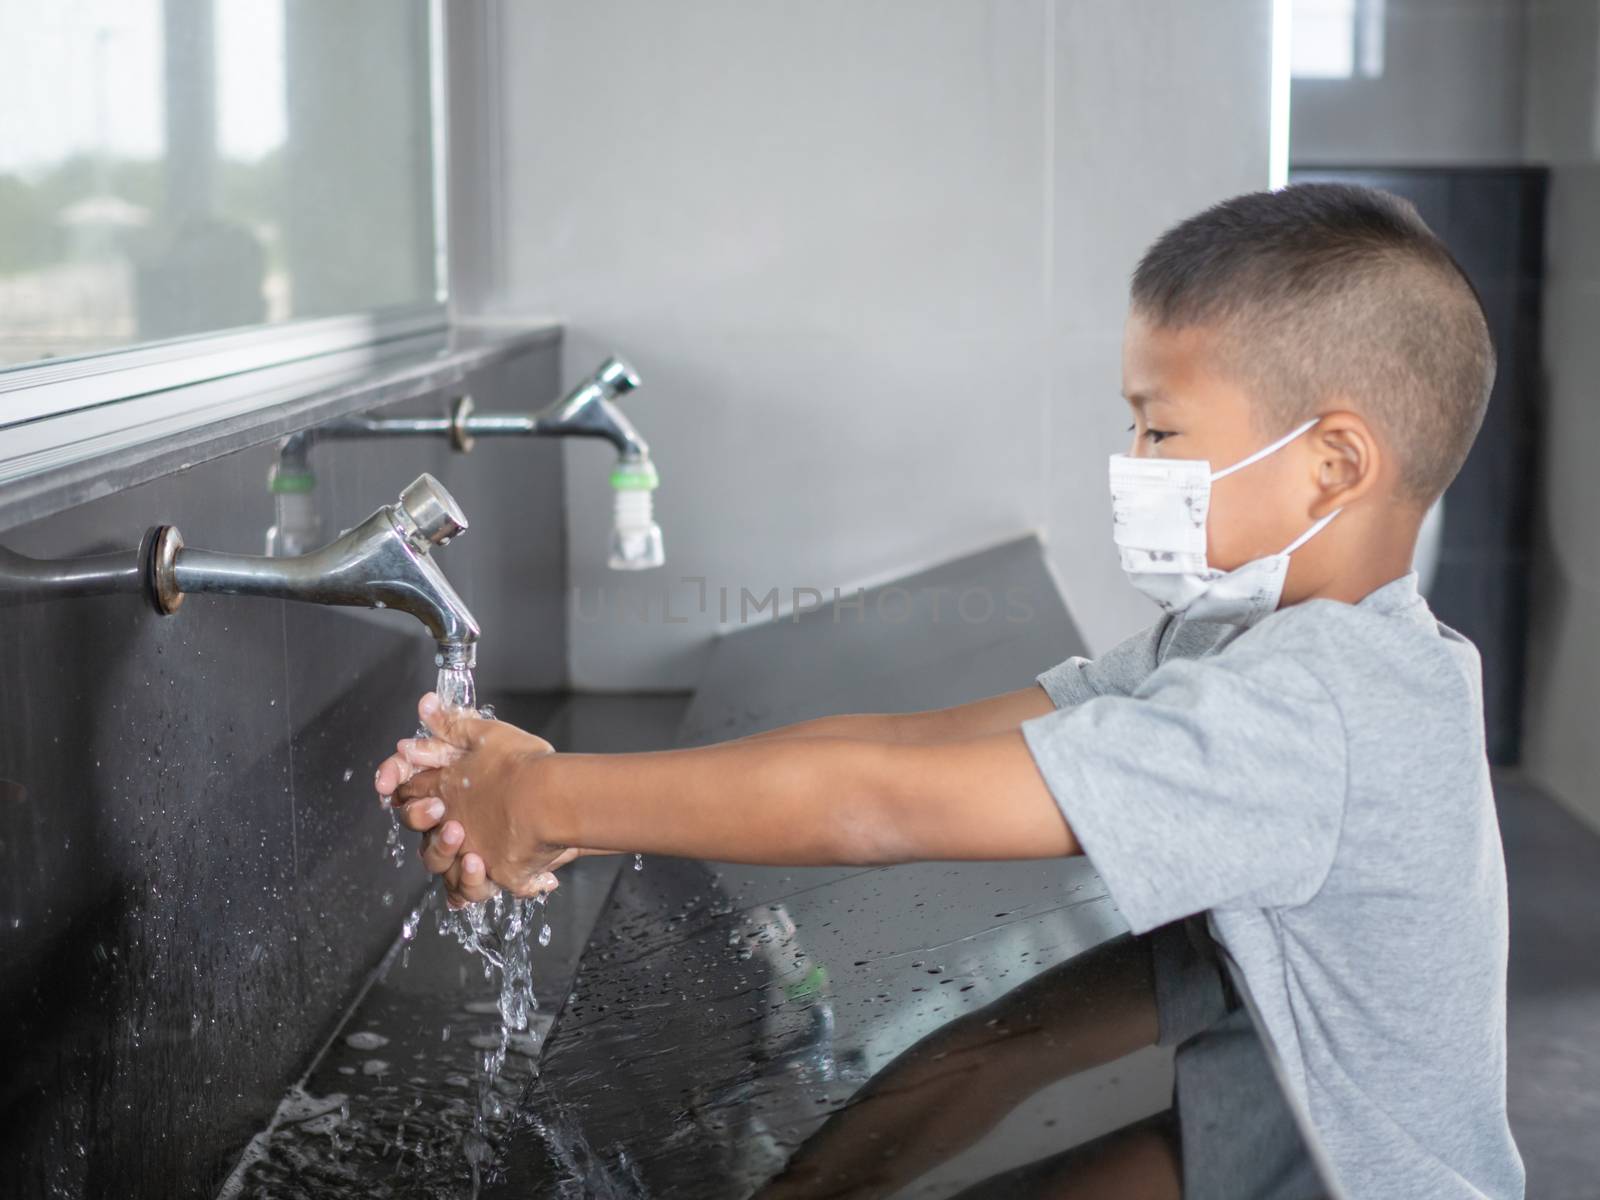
(392, 845)
(501, 931)
(425, 1135)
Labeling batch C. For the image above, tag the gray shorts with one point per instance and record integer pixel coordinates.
(1239, 1138)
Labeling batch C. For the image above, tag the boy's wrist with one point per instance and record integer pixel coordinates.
(539, 798)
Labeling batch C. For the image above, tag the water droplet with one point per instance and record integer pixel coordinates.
(638, 862)
(544, 935)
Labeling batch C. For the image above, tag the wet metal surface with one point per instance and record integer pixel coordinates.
(721, 1016)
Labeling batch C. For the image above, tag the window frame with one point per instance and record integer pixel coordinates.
(54, 387)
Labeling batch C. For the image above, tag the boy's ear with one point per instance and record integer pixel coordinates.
(1346, 461)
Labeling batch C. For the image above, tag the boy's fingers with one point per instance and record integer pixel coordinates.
(439, 848)
(426, 752)
(541, 884)
(475, 883)
(453, 725)
(422, 815)
(452, 884)
(412, 755)
(392, 772)
(562, 860)
(420, 786)
(457, 897)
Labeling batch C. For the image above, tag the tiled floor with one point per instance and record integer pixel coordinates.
(1553, 864)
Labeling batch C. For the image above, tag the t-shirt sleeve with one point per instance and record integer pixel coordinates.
(1115, 673)
(1213, 785)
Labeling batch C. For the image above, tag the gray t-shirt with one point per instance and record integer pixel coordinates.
(1317, 784)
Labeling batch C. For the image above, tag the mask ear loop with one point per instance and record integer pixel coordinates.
(1315, 529)
(1249, 459)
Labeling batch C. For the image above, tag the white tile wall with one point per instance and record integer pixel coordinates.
(871, 261)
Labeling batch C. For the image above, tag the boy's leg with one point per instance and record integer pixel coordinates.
(946, 1091)
(1137, 1162)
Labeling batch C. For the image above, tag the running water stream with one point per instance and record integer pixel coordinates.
(501, 932)
(455, 688)
(422, 1093)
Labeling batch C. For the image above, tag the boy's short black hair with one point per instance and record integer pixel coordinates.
(1323, 290)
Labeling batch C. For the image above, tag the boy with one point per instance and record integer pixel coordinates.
(1294, 750)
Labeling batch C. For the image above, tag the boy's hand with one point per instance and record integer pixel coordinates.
(465, 789)
(440, 849)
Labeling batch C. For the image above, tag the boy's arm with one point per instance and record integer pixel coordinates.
(805, 801)
(990, 715)
(781, 801)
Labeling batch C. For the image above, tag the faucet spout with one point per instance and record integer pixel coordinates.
(587, 411)
(383, 562)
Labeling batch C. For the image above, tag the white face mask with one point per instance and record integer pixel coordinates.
(1158, 516)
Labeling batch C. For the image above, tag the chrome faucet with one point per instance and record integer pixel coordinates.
(586, 411)
(384, 562)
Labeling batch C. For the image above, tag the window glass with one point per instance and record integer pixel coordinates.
(1338, 39)
(177, 167)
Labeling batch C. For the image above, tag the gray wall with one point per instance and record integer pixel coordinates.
(1451, 91)
(192, 875)
(1563, 130)
(1506, 81)
(870, 259)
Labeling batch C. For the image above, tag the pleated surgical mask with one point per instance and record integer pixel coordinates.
(1159, 508)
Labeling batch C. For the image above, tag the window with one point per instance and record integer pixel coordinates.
(175, 168)
(1338, 39)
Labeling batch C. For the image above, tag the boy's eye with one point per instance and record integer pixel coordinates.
(1156, 436)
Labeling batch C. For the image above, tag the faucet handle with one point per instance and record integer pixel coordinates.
(430, 514)
(615, 378)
